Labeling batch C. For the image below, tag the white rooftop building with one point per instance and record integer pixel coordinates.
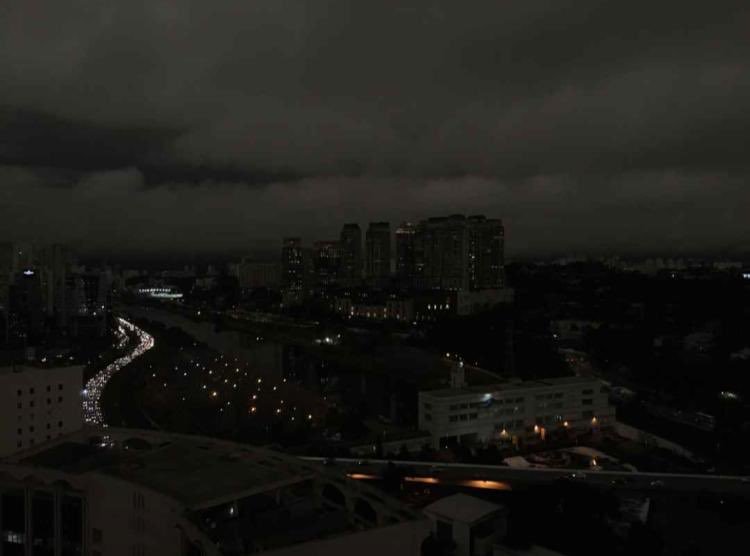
(514, 411)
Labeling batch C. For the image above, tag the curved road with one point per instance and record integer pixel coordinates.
(92, 393)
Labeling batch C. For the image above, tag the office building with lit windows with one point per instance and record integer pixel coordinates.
(514, 411)
(406, 261)
(38, 404)
(293, 275)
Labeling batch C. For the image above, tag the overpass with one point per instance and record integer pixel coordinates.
(495, 476)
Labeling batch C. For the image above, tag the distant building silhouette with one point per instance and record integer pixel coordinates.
(406, 269)
(351, 255)
(327, 263)
(378, 254)
(460, 253)
(292, 269)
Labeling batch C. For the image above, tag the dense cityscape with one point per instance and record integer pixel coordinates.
(374, 279)
(435, 371)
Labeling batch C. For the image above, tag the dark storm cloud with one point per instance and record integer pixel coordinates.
(279, 114)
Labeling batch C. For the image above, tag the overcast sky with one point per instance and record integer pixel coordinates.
(194, 126)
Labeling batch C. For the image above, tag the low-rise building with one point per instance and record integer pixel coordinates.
(388, 308)
(470, 302)
(258, 274)
(38, 404)
(514, 411)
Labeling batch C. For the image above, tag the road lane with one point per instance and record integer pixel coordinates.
(92, 393)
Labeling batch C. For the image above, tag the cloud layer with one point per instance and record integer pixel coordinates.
(197, 126)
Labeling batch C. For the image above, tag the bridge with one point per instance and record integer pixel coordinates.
(500, 477)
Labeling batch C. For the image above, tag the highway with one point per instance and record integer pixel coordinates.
(499, 477)
(92, 393)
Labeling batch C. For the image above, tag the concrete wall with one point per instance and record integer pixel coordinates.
(129, 519)
(403, 539)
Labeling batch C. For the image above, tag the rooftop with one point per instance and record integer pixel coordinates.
(34, 366)
(198, 472)
(512, 386)
(462, 508)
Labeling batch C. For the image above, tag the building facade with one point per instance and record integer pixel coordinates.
(390, 307)
(378, 254)
(514, 411)
(38, 404)
(327, 263)
(442, 251)
(406, 269)
(486, 253)
(124, 492)
(258, 274)
(460, 253)
(351, 255)
(292, 269)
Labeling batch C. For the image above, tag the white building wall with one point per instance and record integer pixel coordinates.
(38, 404)
(514, 408)
(126, 519)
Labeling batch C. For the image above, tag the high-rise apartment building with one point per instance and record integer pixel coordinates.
(442, 253)
(378, 254)
(6, 274)
(86, 306)
(459, 253)
(406, 255)
(14, 258)
(351, 255)
(327, 263)
(258, 274)
(486, 253)
(25, 308)
(55, 263)
(292, 268)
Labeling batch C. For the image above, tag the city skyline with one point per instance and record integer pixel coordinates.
(413, 278)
